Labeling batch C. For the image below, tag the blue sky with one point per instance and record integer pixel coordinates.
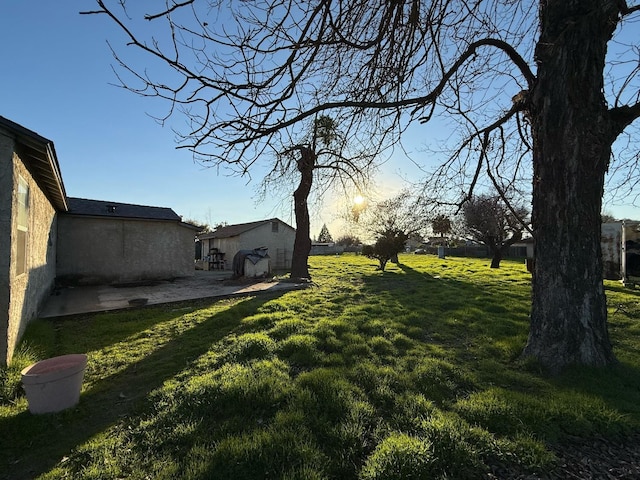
(55, 80)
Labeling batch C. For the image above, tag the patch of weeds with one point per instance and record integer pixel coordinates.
(380, 383)
(286, 327)
(440, 381)
(252, 389)
(249, 346)
(459, 450)
(410, 411)
(550, 415)
(382, 346)
(299, 350)
(260, 321)
(271, 452)
(400, 457)
(10, 376)
(330, 393)
(402, 342)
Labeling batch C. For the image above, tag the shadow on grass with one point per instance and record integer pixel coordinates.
(468, 319)
(485, 330)
(34, 444)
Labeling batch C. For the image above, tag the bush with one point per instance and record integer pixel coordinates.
(387, 247)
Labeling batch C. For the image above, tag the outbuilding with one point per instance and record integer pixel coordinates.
(104, 242)
(219, 247)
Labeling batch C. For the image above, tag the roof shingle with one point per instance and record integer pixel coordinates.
(100, 208)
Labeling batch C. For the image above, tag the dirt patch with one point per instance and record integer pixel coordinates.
(595, 458)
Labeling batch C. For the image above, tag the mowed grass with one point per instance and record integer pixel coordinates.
(411, 373)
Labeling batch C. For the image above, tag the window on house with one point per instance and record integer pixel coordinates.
(274, 227)
(22, 226)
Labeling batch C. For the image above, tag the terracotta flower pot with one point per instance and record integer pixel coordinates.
(54, 384)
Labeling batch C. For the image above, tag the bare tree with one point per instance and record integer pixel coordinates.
(322, 160)
(390, 223)
(488, 220)
(542, 90)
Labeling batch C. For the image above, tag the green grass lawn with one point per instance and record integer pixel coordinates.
(411, 373)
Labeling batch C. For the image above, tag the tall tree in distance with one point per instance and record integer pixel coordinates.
(525, 79)
(324, 236)
(489, 221)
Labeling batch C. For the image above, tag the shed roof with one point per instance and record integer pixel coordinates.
(101, 208)
(239, 228)
(39, 155)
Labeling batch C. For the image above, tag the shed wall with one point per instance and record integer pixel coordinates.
(96, 250)
(279, 244)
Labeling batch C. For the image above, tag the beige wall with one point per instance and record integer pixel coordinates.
(95, 250)
(280, 244)
(21, 296)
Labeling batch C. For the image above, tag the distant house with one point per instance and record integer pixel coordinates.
(621, 251)
(326, 248)
(46, 236)
(31, 195)
(108, 242)
(274, 234)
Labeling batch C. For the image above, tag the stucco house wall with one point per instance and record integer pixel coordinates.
(105, 250)
(274, 234)
(22, 293)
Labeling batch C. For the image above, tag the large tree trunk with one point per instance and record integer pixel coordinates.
(572, 147)
(302, 242)
(497, 257)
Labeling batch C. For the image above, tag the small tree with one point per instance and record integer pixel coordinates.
(390, 222)
(441, 225)
(325, 236)
(387, 247)
(490, 221)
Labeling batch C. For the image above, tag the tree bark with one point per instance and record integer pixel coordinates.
(573, 138)
(302, 242)
(497, 257)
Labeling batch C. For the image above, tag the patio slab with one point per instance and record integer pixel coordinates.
(204, 284)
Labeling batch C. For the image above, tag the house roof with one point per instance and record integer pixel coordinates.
(39, 155)
(239, 228)
(101, 208)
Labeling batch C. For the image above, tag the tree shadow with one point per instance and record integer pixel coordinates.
(488, 338)
(36, 443)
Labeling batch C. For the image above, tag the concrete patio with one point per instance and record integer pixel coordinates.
(204, 284)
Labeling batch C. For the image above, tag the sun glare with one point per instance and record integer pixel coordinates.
(358, 200)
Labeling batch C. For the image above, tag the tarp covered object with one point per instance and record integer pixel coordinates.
(254, 256)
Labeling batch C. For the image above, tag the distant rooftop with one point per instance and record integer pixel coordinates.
(101, 208)
(239, 228)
